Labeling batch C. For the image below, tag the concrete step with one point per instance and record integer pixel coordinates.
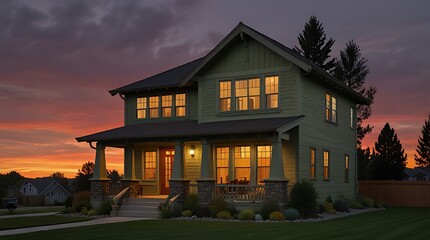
(141, 214)
(141, 207)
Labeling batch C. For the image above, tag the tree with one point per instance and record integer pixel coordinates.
(313, 45)
(82, 179)
(60, 178)
(390, 157)
(363, 163)
(351, 69)
(423, 147)
(8, 180)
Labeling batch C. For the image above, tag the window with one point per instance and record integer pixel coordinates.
(166, 106)
(222, 159)
(247, 94)
(263, 162)
(153, 107)
(242, 163)
(326, 165)
(225, 96)
(150, 164)
(312, 170)
(330, 108)
(346, 167)
(180, 104)
(271, 92)
(141, 107)
(351, 117)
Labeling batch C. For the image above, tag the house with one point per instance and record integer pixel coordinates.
(246, 121)
(417, 174)
(48, 188)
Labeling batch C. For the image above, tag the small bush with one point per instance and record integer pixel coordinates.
(186, 213)
(68, 210)
(269, 207)
(191, 202)
(69, 201)
(247, 214)
(80, 205)
(218, 205)
(233, 211)
(84, 210)
(378, 205)
(276, 216)
(223, 215)
(329, 200)
(341, 205)
(304, 198)
(202, 211)
(291, 214)
(105, 207)
(355, 205)
(367, 202)
(166, 212)
(328, 208)
(176, 210)
(92, 212)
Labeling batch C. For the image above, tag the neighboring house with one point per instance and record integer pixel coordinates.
(252, 113)
(416, 174)
(47, 187)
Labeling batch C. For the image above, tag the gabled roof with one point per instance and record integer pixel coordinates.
(191, 128)
(41, 184)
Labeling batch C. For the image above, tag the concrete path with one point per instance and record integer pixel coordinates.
(69, 225)
(28, 215)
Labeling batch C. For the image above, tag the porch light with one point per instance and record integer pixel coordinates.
(192, 151)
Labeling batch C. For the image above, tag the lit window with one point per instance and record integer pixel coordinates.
(141, 107)
(180, 104)
(272, 91)
(263, 162)
(346, 168)
(247, 94)
(242, 164)
(351, 118)
(222, 159)
(326, 165)
(153, 107)
(312, 170)
(330, 108)
(150, 165)
(166, 106)
(225, 96)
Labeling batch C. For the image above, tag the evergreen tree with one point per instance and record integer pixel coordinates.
(113, 175)
(313, 45)
(423, 147)
(363, 162)
(390, 157)
(351, 69)
(82, 179)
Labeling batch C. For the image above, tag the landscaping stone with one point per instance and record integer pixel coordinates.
(258, 217)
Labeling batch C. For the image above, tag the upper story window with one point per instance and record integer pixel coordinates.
(351, 117)
(330, 108)
(272, 91)
(167, 105)
(246, 94)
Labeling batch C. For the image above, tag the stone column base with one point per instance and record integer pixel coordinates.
(99, 191)
(134, 187)
(276, 190)
(179, 186)
(205, 191)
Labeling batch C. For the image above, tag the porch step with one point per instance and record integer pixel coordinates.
(146, 207)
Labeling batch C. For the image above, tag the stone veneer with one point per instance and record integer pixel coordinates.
(99, 190)
(276, 190)
(205, 189)
(134, 185)
(180, 187)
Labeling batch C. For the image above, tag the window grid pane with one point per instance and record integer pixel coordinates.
(271, 84)
(263, 162)
(150, 165)
(222, 160)
(242, 163)
(153, 107)
(312, 170)
(141, 107)
(346, 167)
(180, 104)
(225, 96)
(326, 165)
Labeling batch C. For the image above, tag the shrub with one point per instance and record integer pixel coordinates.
(166, 212)
(69, 201)
(105, 207)
(191, 202)
(223, 215)
(68, 210)
(176, 210)
(218, 205)
(367, 202)
(233, 211)
(247, 214)
(378, 205)
(355, 205)
(291, 214)
(84, 210)
(269, 207)
(202, 211)
(304, 198)
(329, 200)
(276, 216)
(341, 205)
(328, 208)
(186, 213)
(92, 212)
(80, 205)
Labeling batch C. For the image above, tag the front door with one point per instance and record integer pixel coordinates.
(166, 164)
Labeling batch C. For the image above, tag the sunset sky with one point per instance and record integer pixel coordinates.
(58, 59)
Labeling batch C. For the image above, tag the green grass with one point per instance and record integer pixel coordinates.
(23, 222)
(32, 210)
(397, 223)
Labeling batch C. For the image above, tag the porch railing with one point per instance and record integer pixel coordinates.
(239, 192)
(192, 188)
(115, 188)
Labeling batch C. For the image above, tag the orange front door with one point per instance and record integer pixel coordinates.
(166, 165)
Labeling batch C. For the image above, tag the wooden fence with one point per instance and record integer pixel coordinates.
(397, 193)
(31, 200)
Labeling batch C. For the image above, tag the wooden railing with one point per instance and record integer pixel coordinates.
(239, 192)
(115, 188)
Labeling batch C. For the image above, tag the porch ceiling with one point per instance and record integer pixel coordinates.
(190, 128)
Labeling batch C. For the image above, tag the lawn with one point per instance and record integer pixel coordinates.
(27, 210)
(396, 223)
(23, 222)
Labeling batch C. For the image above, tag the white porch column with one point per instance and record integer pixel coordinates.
(178, 162)
(206, 167)
(277, 163)
(100, 163)
(129, 164)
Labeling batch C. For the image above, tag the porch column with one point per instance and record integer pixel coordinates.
(129, 172)
(178, 184)
(99, 183)
(277, 163)
(100, 163)
(206, 183)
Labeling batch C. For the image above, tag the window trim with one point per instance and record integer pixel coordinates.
(352, 113)
(326, 178)
(330, 108)
(312, 167)
(257, 166)
(347, 165)
(228, 164)
(155, 168)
